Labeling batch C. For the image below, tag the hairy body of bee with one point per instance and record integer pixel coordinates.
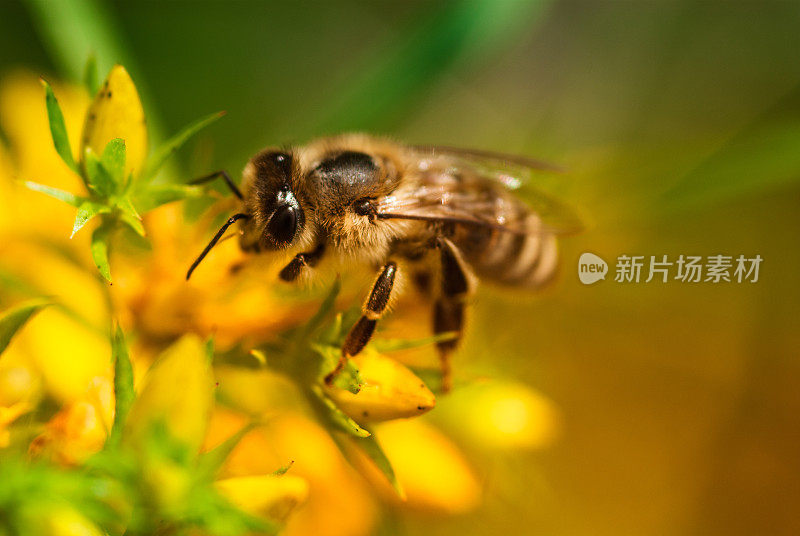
(524, 259)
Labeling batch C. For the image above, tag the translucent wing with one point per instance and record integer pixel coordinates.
(491, 160)
(469, 187)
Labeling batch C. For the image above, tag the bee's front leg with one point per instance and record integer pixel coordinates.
(224, 175)
(372, 310)
(291, 271)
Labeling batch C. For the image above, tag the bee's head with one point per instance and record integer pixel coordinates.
(272, 200)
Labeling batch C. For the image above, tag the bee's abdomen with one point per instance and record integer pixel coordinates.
(526, 259)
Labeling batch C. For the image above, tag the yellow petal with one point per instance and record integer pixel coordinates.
(64, 352)
(179, 391)
(272, 497)
(431, 469)
(76, 286)
(390, 391)
(116, 112)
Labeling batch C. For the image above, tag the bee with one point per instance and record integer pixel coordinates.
(447, 216)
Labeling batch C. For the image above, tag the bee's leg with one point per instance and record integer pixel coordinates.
(448, 311)
(373, 309)
(291, 271)
(224, 174)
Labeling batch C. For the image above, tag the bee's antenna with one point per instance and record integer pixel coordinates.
(233, 219)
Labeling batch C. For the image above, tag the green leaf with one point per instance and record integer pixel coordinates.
(61, 195)
(394, 345)
(90, 79)
(129, 215)
(58, 129)
(99, 179)
(371, 447)
(331, 414)
(160, 194)
(349, 378)
(166, 150)
(15, 318)
(123, 384)
(113, 160)
(87, 211)
(100, 238)
(134, 223)
(211, 462)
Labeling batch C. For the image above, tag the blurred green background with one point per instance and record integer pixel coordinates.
(679, 123)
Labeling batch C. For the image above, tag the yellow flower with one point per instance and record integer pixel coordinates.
(65, 350)
(231, 296)
(67, 354)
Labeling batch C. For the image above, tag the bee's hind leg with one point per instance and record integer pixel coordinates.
(448, 311)
(372, 310)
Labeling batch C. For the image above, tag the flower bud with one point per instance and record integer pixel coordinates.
(389, 391)
(178, 391)
(116, 112)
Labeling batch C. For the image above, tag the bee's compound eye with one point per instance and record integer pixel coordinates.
(282, 225)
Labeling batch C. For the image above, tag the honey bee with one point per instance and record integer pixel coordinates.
(447, 216)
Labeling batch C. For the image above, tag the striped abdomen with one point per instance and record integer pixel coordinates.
(527, 256)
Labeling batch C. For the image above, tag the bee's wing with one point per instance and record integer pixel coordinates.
(448, 197)
(490, 160)
(451, 207)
